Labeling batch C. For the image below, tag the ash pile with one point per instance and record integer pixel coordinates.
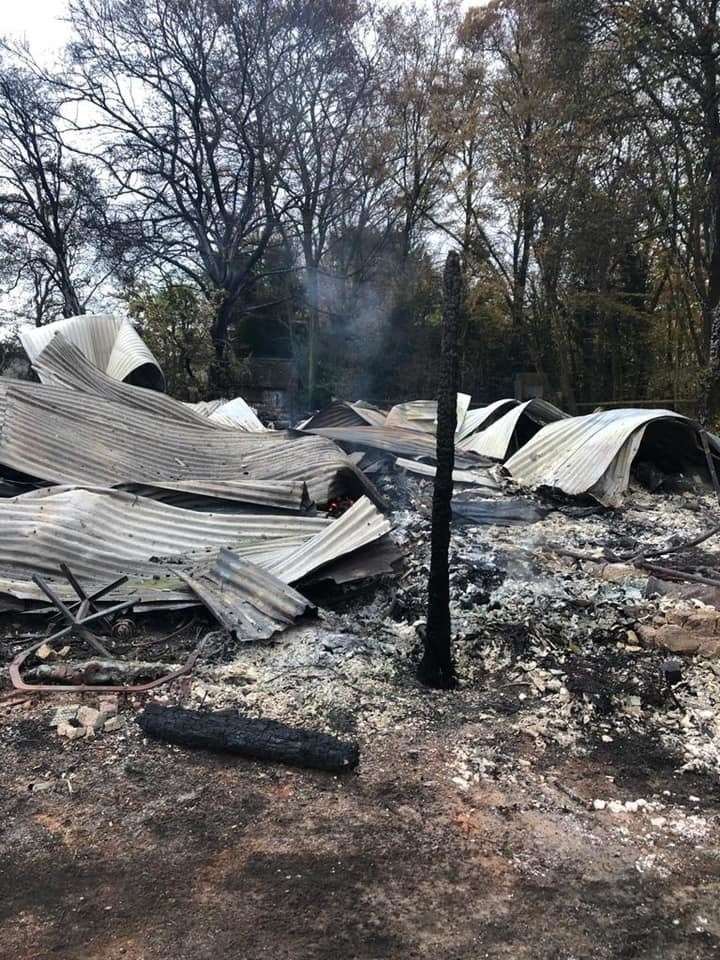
(189, 554)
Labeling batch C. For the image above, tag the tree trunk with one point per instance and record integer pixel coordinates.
(709, 400)
(436, 667)
(313, 295)
(218, 375)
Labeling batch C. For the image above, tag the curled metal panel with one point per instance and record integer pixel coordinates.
(343, 413)
(497, 440)
(55, 434)
(422, 414)
(593, 454)
(483, 416)
(109, 343)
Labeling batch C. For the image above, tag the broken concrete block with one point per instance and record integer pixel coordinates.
(108, 706)
(71, 731)
(45, 652)
(113, 724)
(64, 714)
(677, 638)
(90, 717)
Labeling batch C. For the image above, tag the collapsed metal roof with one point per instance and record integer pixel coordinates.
(58, 436)
(230, 413)
(513, 429)
(422, 414)
(593, 454)
(109, 343)
(103, 533)
(396, 441)
(343, 413)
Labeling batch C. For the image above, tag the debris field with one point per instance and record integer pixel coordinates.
(212, 735)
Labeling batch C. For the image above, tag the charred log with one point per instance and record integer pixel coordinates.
(226, 732)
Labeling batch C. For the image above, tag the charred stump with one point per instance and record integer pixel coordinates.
(436, 667)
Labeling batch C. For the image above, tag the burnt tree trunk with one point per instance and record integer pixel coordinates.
(226, 732)
(709, 403)
(436, 667)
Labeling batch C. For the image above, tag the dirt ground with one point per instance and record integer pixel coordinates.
(115, 848)
(560, 805)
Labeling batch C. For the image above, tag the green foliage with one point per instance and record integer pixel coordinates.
(175, 320)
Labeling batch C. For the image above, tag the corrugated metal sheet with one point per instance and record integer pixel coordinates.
(422, 414)
(49, 433)
(483, 416)
(287, 495)
(101, 534)
(360, 525)
(62, 364)
(593, 454)
(109, 343)
(230, 413)
(343, 413)
(480, 478)
(247, 600)
(511, 429)
(396, 441)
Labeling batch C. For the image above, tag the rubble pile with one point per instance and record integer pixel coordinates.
(566, 613)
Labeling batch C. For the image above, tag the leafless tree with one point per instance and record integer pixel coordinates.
(50, 201)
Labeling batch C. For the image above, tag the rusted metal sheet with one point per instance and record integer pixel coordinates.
(109, 343)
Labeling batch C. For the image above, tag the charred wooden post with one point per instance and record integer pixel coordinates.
(436, 667)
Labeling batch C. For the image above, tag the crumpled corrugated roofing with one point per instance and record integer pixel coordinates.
(422, 414)
(247, 600)
(397, 441)
(102, 534)
(482, 417)
(109, 343)
(343, 413)
(512, 429)
(60, 436)
(593, 454)
(360, 525)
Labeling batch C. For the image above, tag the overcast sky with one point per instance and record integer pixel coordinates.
(40, 22)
